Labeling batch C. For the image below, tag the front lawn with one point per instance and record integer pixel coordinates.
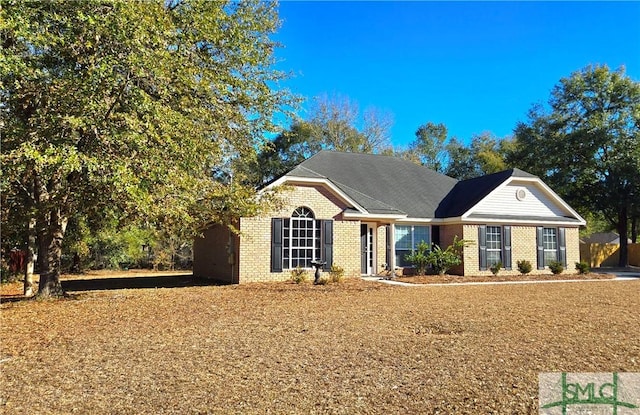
(356, 347)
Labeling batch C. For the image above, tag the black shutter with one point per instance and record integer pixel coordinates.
(506, 247)
(482, 244)
(435, 235)
(276, 245)
(540, 245)
(388, 253)
(327, 244)
(562, 247)
(363, 248)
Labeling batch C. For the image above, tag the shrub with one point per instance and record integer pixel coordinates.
(299, 275)
(336, 274)
(443, 260)
(556, 267)
(524, 267)
(582, 267)
(322, 281)
(495, 268)
(420, 257)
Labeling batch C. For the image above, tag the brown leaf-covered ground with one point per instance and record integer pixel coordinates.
(355, 347)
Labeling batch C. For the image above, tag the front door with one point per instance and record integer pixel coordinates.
(367, 250)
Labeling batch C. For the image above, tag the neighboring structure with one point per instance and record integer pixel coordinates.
(365, 212)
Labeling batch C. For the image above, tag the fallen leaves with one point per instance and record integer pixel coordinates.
(356, 347)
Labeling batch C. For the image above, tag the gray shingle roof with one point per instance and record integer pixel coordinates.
(467, 193)
(380, 184)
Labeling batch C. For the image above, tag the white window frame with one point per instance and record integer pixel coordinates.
(550, 245)
(301, 239)
(494, 244)
(412, 244)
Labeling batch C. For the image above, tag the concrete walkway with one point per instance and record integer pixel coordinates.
(622, 274)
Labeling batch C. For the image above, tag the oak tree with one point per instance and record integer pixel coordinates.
(127, 108)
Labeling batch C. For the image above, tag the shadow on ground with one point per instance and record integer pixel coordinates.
(120, 283)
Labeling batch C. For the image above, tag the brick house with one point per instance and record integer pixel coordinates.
(365, 212)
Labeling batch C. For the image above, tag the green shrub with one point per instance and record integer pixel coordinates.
(443, 260)
(336, 274)
(420, 257)
(495, 268)
(556, 267)
(524, 266)
(299, 275)
(582, 267)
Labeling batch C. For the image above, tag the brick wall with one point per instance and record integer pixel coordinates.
(381, 249)
(255, 241)
(523, 247)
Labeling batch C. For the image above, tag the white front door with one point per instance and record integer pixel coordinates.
(367, 245)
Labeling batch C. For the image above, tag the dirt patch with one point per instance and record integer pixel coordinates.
(444, 279)
(354, 348)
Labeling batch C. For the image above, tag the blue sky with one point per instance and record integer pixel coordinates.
(474, 66)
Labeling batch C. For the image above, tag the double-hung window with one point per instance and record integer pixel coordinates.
(494, 245)
(407, 238)
(550, 245)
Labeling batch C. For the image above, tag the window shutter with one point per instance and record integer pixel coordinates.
(388, 253)
(327, 243)
(435, 235)
(482, 244)
(276, 245)
(540, 245)
(506, 247)
(562, 247)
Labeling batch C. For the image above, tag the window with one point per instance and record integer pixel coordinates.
(300, 239)
(407, 238)
(550, 245)
(494, 245)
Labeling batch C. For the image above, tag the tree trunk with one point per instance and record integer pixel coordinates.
(622, 231)
(50, 236)
(28, 273)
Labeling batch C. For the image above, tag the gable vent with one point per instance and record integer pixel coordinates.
(521, 194)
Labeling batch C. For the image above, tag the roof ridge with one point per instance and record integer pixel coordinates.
(342, 185)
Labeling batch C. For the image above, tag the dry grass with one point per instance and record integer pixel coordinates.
(356, 347)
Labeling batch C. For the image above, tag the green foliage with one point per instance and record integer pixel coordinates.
(428, 148)
(582, 267)
(336, 274)
(524, 266)
(440, 260)
(299, 275)
(484, 155)
(130, 107)
(585, 145)
(420, 257)
(495, 268)
(556, 267)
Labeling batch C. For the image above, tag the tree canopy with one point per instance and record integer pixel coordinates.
(586, 145)
(127, 108)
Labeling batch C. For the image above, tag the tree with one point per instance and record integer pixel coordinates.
(334, 125)
(587, 145)
(429, 146)
(287, 150)
(484, 155)
(130, 106)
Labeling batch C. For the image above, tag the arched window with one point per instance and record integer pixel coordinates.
(301, 239)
